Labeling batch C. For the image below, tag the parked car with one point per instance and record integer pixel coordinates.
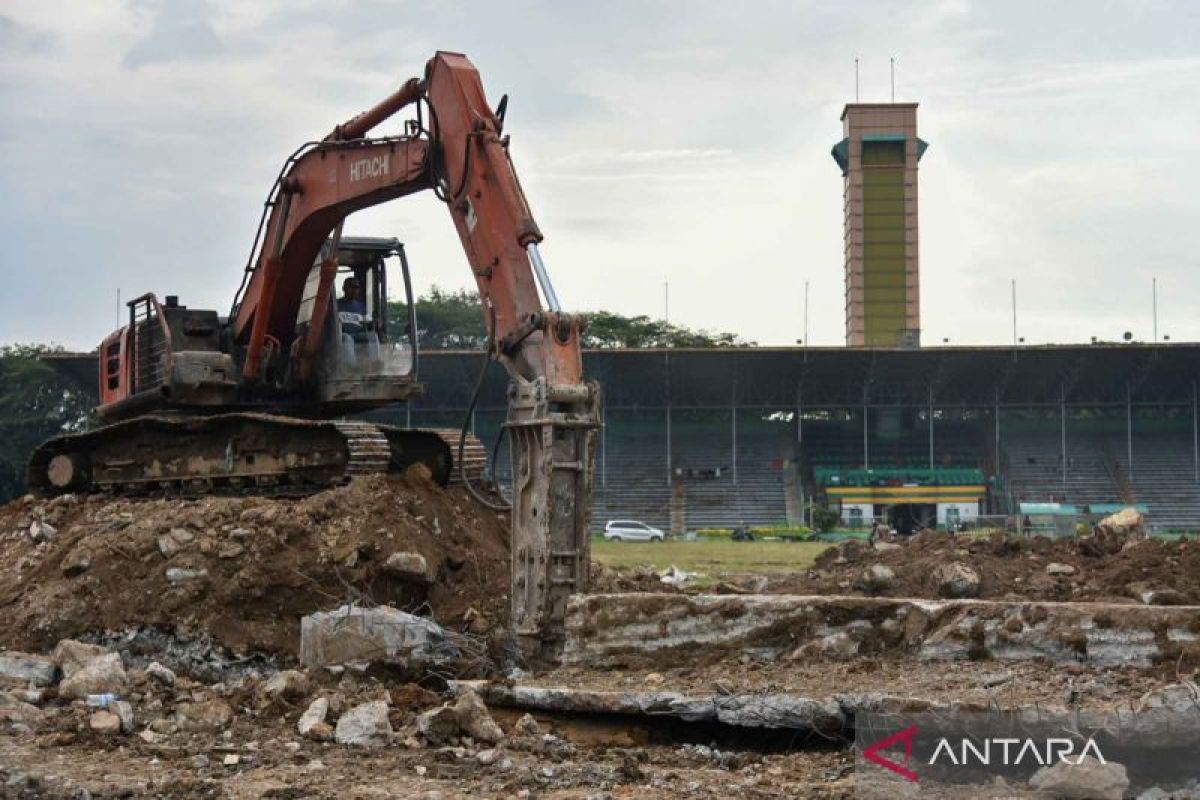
(630, 530)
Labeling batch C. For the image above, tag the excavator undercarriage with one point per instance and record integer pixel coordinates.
(239, 453)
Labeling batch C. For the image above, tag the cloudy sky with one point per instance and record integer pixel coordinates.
(680, 142)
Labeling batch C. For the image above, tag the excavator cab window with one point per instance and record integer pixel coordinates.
(358, 310)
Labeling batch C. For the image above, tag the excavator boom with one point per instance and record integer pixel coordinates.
(283, 329)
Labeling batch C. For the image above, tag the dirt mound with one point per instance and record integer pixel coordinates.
(1115, 569)
(243, 571)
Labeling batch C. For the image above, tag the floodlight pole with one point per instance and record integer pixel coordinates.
(1014, 310)
(1154, 305)
(806, 313)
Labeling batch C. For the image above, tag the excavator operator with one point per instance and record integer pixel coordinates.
(351, 300)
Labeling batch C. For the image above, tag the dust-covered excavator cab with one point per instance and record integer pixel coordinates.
(362, 359)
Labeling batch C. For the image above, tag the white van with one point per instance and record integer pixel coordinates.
(630, 530)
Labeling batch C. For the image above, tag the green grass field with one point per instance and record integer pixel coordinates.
(710, 557)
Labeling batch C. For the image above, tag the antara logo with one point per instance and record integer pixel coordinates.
(982, 752)
(1014, 752)
(369, 168)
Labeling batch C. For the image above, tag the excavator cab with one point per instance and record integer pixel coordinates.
(360, 362)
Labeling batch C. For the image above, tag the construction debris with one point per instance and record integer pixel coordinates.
(171, 564)
(365, 726)
(301, 682)
(24, 668)
(352, 635)
(633, 628)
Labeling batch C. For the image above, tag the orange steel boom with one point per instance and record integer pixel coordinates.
(463, 157)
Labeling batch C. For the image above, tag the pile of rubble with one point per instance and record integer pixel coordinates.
(1108, 567)
(83, 721)
(242, 572)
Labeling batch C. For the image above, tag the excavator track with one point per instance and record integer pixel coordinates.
(242, 453)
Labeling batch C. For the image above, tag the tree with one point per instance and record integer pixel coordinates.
(445, 320)
(454, 320)
(36, 403)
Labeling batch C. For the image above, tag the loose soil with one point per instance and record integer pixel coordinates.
(263, 562)
(1105, 569)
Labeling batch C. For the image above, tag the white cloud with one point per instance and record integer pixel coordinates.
(657, 142)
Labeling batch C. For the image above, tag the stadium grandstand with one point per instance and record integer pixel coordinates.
(757, 435)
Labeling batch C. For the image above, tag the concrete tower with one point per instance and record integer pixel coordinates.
(878, 155)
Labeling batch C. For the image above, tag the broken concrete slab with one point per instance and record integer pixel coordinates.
(26, 668)
(750, 710)
(71, 656)
(620, 629)
(102, 675)
(365, 725)
(1171, 721)
(353, 635)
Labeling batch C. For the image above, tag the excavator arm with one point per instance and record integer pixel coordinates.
(463, 157)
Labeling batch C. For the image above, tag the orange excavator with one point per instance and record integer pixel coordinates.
(256, 401)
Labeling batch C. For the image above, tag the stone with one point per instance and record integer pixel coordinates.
(76, 564)
(209, 715)
(71, 655)
(288, 684)
(475, 720)
(174, 541)
(352, 634)
(1163, 597)
(1157, 793)
(527, 726)
(15, 711)
(365, 725)
(41, 531)
(883, 547)
(124, 712)
(1055, 568)
(1087, 780)
(877, 578)
(177, 576)
(994, 679)
(32, 695)
(836, 646)
(1127, 521)
(1176, 698)
(231, 760)
(160, 673)
(25, 669)
(105, 722)
(104, 674)
(150, 737)
(230, 550)
(488, 757)
(313, 717)
(410, 566)
(955, 579)
(439, 726)
(321, 732)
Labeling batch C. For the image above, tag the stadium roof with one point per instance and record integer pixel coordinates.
(842, 376)
(784, 377)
